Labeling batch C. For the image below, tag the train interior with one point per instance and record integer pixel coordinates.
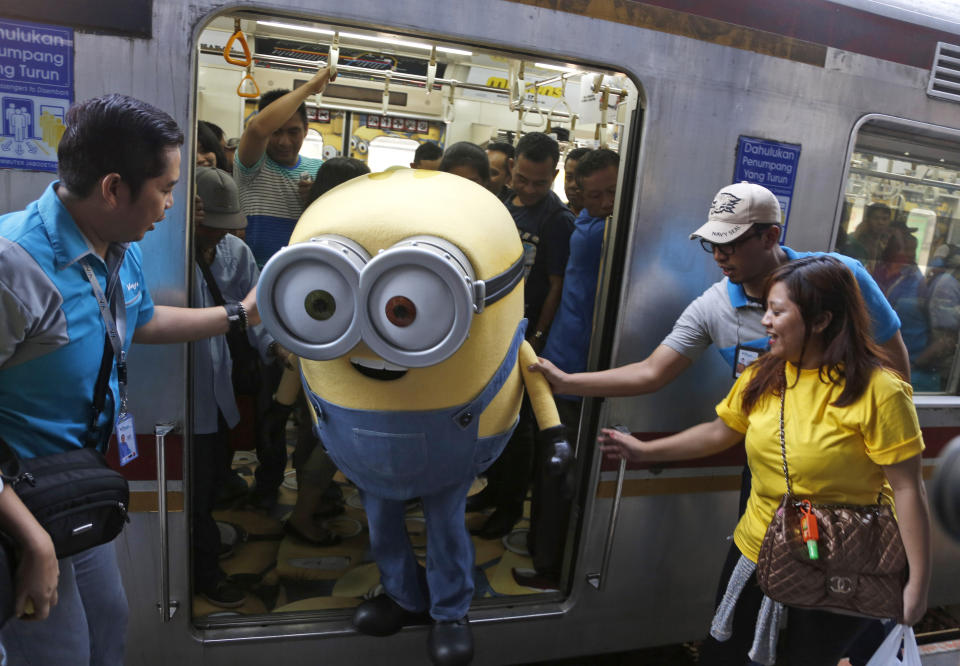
(900, 216)
(392, 93)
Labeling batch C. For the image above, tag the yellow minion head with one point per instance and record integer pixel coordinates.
(399, 291)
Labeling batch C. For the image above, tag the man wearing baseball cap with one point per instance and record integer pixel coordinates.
(225, 268)
(742, 233)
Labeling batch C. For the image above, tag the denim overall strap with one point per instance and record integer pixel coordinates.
(464, 417)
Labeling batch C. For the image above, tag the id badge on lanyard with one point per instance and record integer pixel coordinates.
(125, 430)
(744, 355)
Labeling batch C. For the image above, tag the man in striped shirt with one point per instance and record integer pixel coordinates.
(272, 176)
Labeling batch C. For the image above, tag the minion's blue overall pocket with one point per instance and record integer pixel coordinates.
(398, 456)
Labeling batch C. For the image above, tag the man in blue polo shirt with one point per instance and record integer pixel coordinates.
(72, 293)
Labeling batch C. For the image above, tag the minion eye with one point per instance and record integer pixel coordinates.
(418, 301)
(411, 308)
(307, 296)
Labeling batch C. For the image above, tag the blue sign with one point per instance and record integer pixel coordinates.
(771, 164)
(36, 89)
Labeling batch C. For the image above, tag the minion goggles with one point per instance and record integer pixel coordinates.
(412, 304)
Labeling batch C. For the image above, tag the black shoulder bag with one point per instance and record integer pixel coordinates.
(246, 360)
(79, 499)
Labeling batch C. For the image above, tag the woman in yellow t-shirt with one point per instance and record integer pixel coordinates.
(851, 431)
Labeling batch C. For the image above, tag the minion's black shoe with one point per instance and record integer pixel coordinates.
(382, 616)
(451, 643)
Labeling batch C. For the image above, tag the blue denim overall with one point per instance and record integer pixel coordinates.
(393, 456)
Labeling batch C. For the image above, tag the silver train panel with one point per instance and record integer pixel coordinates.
(700, 98)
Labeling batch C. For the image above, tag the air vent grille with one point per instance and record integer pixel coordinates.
(945, 75)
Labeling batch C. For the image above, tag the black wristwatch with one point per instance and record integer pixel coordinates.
(237, 316)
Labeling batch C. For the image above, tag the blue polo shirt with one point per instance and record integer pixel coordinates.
(569, 340)
(724, 316)
(51, 331)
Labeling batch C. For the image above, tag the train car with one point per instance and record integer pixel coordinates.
(832, 105)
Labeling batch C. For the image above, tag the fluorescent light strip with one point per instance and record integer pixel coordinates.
(557, 68)
(369, 38)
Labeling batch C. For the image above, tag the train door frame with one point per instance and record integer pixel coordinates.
(617, 250)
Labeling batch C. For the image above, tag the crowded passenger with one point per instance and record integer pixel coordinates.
(869, 239)
(467, 160)
(545, 225)
(274, 179)
(427, 156)
(225, 271)
(500, 154)
(850, 433)
(118, 163)
(36, 574)
(567, 347)
(209, 148)
(317, 496)
(570, 186)
(943, 310)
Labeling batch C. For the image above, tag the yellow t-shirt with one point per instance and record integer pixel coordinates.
(833, 453)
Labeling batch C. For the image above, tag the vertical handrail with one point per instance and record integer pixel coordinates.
(166, 606)
(598, 580)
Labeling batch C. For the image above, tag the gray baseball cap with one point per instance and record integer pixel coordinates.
(221, 199)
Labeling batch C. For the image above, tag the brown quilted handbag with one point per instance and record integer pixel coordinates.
(862, 566)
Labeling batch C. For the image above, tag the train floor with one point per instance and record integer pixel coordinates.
(284, 574)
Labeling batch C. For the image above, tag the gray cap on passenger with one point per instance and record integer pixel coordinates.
(221, 199)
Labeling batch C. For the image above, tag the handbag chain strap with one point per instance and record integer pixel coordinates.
(783, 440)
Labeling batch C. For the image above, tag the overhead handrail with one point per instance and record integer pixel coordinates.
(386, 94)
(431, 69)
(397, 77)
(237, 35)
(450, 112)
(256, 89)
(334, 54)
(562, 100)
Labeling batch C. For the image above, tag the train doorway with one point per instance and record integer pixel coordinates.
(394, 93)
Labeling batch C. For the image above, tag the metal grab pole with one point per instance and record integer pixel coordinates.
(166, 606)
(599, 579)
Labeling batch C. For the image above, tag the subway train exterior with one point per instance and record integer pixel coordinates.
(827, 99)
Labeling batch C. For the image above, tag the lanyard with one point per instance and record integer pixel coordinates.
(114, 334)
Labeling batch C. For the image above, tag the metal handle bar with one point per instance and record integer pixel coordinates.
(599, 579)
(166, 606)
(396, 77)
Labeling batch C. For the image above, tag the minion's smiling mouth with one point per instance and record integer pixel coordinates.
(377, 369)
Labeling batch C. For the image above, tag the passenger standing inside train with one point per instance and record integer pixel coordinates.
(427, 156)
(854, 430)
(274, 179)
(500, 154)
(225, 271)
(545, 225)
(467, 160)
(570, 186)
(567, 348)
(118, 162)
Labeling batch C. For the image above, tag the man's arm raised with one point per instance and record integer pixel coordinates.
(253, 141)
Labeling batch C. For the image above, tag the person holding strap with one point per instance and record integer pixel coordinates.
(851, 431)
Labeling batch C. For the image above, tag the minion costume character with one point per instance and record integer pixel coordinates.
(401, 293)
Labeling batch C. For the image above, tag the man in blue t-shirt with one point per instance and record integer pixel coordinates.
(596, 177)
(545, 225)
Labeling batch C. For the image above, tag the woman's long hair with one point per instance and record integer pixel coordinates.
(817, 285)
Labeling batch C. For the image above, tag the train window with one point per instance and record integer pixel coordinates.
(387, 151)
(312, 145)
(389, 99)
(900, 216)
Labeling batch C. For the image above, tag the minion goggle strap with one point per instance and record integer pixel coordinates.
(412, 304)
